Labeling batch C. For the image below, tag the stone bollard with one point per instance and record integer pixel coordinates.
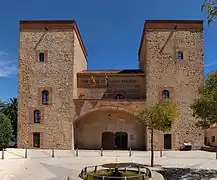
(95, 169)
(77, 152)
(139, 170)
(161, 153)
(216, 153)
(3, 154)
(25, 153)
(130, 153)
(52, 153)
(101, 152)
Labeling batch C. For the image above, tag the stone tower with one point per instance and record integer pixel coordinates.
(51, 54)
(171, 54)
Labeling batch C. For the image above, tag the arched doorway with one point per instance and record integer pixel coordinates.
(110, 130)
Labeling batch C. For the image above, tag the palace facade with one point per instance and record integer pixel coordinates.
(63, 105)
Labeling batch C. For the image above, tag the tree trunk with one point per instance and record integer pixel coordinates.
(152, 147)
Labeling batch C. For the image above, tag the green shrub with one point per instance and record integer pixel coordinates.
(5, 131)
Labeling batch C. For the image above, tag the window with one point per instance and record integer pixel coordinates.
(213, 138)
(165, 94)
(36, 140)
(37, 116)
(41, 57)
(45, 97)
(119, 96)
(180, 55)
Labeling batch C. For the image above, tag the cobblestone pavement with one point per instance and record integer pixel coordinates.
(39, 165)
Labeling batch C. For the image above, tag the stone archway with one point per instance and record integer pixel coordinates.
(89, 129)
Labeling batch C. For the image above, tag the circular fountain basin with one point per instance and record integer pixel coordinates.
(116, 171)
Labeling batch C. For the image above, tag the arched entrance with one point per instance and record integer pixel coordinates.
(110, 130)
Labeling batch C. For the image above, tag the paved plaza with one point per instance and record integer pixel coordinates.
(39, 164)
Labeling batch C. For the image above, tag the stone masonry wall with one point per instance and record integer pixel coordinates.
(130, 86)
(58, 74)
(80, 63)
(181, 78)
(211, 136)
(54, 75)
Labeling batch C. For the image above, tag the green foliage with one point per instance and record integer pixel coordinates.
(5, 131)
(209, 6)
(2, 105)
(10, 110)
(205, 106)
(158, 116)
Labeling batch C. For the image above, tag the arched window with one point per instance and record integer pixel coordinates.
(180, 55)
(165, 94)
(41, 57)
(119, 96)
(37, 116)
(45, 97)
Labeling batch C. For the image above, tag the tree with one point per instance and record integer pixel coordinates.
(2, 105)
(205, 105)
(5, 131)
(209, 6)
(159, 117)
(10, 110)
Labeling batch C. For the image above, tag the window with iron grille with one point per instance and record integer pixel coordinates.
(37, 116)
(45, 97)
(180, 55)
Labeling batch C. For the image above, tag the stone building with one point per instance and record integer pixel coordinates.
(63, 105)
(211, 135)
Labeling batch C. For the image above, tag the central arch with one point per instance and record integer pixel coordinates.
(110, 128)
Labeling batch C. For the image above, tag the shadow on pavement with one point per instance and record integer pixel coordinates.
(61, 172)
(187, 173)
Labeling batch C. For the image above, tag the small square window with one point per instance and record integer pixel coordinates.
(41, 57)
(180, 55)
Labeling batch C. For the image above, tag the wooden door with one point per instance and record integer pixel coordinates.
(167, 141)
(108, 140)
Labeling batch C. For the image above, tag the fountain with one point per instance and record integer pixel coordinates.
(116, 171)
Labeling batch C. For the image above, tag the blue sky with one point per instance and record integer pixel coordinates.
(111, 30)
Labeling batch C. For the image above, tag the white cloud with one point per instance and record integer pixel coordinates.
(7, 67)
(210, 64)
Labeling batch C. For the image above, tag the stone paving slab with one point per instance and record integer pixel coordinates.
(40, 165)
